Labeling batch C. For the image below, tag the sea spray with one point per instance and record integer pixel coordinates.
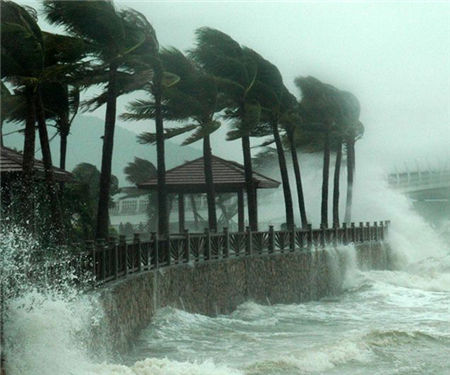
(49, 317)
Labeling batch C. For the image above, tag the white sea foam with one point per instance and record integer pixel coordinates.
(153, 366)
(46, 334)
(317, 358)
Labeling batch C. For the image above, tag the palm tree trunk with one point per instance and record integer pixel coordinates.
(325, 174)
(337, 171)
(250, 186)
(284, 176)
(55, 208)
(210, 193)
(298, 180)
(26, 202)
(163, 214)
(107, 153)
(350, 176)
(1, 132)
(62, 153)
(29, 142)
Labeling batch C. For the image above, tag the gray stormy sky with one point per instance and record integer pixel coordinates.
(394, 56)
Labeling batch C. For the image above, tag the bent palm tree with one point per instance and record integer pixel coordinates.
(220, 55)
(291, 122)
(319, 109)
(195, 98)
(119, 36)
(273, 96)
(353, 130)
(24, 64)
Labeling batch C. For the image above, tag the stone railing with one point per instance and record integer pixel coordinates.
(114, 259)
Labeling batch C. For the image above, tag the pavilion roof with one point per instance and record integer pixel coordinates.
(11, 163)
(228, 176)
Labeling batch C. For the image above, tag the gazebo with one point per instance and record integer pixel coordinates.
(228, 176)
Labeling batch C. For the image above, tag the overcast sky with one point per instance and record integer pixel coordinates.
(394, 56)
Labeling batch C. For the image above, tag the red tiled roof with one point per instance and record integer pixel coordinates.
(11, 162)
(226, 174)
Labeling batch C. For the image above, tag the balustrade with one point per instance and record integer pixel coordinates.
(112, 259)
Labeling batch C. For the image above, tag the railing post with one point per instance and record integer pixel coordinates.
(271, 248)
(344, 234)
(322, 235)
(156, 248)
(166, 245)
(101, 250)
(386, 227)
(207, 254)
(310, 236)
(369, 232)
(336, 235)
(376, 234)
(353, 230)
(249, 242)
(226, 242)
(381, 229)
(292, 239)
(361, 232)
(123, 245)
(187, 248)
(90, 249)
(138, 249)
(115, 254)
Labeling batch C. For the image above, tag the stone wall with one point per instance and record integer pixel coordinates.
(219, 286)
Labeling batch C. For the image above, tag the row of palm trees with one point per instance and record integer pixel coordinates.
(217, 80)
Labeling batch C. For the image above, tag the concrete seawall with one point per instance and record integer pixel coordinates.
(219, 286)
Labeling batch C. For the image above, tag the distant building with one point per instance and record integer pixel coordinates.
(130, 211)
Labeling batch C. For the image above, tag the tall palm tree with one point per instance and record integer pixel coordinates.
(319, 109)
(119, 37)
(352, 130)
(234, 66)
(21, 64)
(273, 95)
(349, 128)
(153, 108)
(61, 97)
(291, 122)
(194, 98)
(24, 65)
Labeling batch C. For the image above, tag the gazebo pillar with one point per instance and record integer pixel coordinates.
(240, 195)
(181, 214)
(256, 207)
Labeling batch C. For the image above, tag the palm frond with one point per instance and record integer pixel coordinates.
(150, 138)
(202, 131)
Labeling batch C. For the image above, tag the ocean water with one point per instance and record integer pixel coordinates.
(383, 322)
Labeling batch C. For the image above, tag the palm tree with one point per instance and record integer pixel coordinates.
(319, 109)
(291, 122)
(348, 129)
(21, 63)
(194, 98)
(352, 130)
(139, 170)
(236, 71)
(119, 37)
(24, 65)
(61, 97)
(153, 108)
(273, 95)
